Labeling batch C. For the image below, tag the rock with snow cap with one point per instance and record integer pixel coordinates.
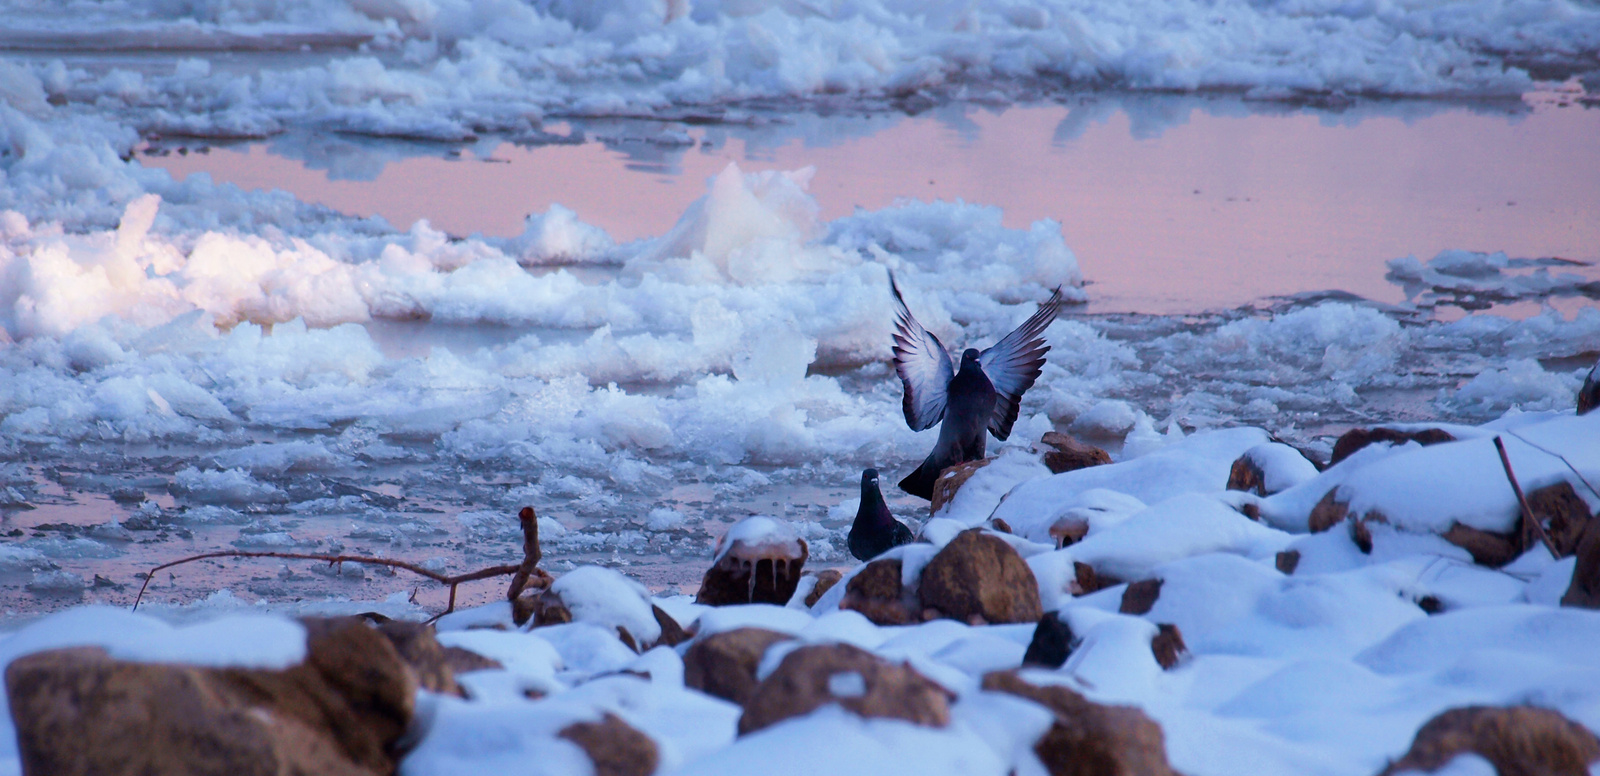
(861, 682)
(980, 578)
(759, 560)
(1270, 468)
(1357, 438)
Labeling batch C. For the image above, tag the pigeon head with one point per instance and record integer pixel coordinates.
(969, 356)
(869, 478)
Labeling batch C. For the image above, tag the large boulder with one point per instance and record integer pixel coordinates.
(724, 664)
(861, 682)
(1087, 738)
(979, 578)
(1517, 740)
(759, 560)
(340, 712)
(1270, 468)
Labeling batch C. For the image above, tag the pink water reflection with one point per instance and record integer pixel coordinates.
(1218, 211)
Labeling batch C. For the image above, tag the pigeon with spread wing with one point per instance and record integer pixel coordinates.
(980, 397)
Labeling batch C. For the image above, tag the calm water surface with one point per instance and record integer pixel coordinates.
(1171, 204)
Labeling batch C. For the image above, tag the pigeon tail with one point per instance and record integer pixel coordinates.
(920, 482)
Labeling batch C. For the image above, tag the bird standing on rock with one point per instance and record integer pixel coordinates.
(982, 397)
(875, 531)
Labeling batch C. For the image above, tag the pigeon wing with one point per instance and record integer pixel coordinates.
(1014, 362)
(923, 365)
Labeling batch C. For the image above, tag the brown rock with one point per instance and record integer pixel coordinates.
(1361, 533)
(724, 664)
(978, 576)
(1247, 476)
(950, 480)
(615, 747)
(861, 682)
(876, 592)
(826, 579)
(1357, 438)
(433, 666)
(1051, 644)
(1140, 596)
(1070, 454)
(1584, 590)
(1328, 512)
(1068, 530)
(998, 524)
(543, 606)
(1287, 561)
(340, 712)
(1562, 513)
(1087, 738)
(1487, 548)
(1517, 740)
(672, 634)
(1168, 646)
(1086, 580)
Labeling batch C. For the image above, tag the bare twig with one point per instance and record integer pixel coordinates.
(521, 573)
(1528, 518)
(1548, 451)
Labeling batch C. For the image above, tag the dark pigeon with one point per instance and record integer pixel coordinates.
(875, 530)
(983, 396)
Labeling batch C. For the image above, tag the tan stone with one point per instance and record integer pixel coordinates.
(1517, 740)
(876, 592)
(1357, 438)
(615, 747)
(672, 634)
(1168, 646)
(861, 682)
(1087, 738)
(1487, 548)
(1287, 561)
(826, 579)
(980, 576)
(1584, 589)
(1328, 512)
(1139, 597)
(1070, 454)
(724, 664)
(950, 480)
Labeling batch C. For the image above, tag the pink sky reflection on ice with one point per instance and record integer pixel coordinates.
(1215, 212)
